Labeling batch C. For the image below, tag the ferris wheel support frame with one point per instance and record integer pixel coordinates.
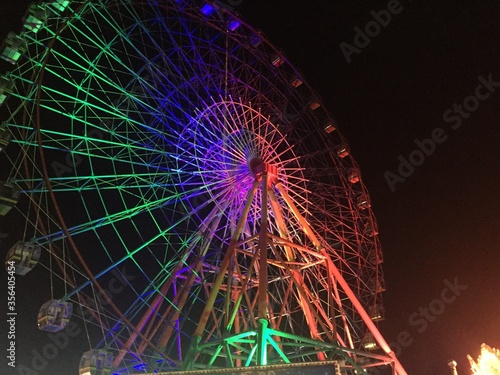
(262, 336)
(342, 282)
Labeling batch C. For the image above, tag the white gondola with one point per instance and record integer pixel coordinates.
(342, 151)
(354, 176)
(25, 256)
(314, 103)
(14, 48)
(277, 61)
(377, 284)
(5, 137)
(256, 40)
(369, 342)
(375, 257)
(9, 196)
(363, 202)
(6, 85)
(207, 10)
(58, 6)
(54, 315)
(296, 82)
(96, 362)
(35, 17)
(376, 312)
(371, 229)
(329, 127)
(232, 25)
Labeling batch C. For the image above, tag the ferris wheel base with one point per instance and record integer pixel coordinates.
(323, 368)
(262, 351)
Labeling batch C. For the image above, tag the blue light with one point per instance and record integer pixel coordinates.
(207, 9)
(141, 367)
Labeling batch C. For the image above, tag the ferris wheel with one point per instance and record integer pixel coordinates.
(191, 197)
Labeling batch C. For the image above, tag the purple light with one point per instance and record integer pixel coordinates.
(233, 25)
(255, 40)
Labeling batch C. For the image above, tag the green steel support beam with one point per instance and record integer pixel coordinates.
(254, 349)
(262, 343)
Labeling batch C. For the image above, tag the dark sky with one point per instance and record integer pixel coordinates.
(442, 222)
(439, 224)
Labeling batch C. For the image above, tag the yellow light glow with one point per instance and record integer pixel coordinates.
(488, 362)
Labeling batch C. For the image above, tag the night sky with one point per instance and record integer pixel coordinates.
(410, 92)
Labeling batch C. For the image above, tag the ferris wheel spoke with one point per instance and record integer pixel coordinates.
(109, 219)
(130, 255)
(131, 212)
(175, 260)
(93, 182)
(207, 69)
(96, 42)
(160, 168)
(101, 149)
(146, 34)
(101, 78)
(58, 140)
(105, 108)
(167, 280)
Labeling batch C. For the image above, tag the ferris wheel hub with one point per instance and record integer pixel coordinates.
(258, 168)
(255, 164)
